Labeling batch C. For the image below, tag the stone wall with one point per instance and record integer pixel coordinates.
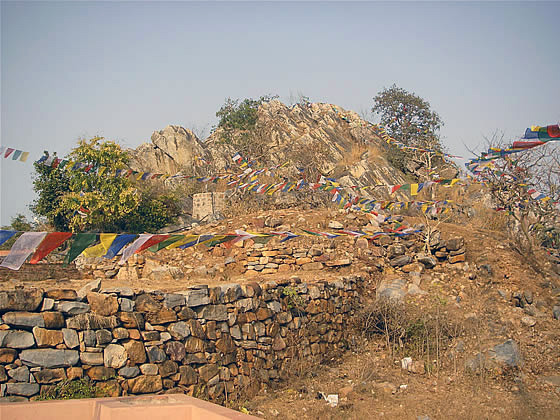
(215, 341)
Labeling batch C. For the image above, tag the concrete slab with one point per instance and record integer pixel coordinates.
(155, 407)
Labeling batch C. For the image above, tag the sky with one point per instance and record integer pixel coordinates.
(126, 69)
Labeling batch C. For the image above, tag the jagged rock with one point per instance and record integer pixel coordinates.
(16, 339)
(395, 250)
(23, 319)
(49, 358)
(92, 286)
(127, 274)
(207, 372)
(400, 261)
(103, 304)
(145, 384)
(163, 316)
(48, 305)
(505, 354)
(427, 260)
(21, 300)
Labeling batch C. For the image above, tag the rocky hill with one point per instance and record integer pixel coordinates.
(335, 142)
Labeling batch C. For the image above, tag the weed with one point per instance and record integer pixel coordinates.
(69, 390)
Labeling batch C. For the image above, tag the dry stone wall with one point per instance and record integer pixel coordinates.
(216, 341)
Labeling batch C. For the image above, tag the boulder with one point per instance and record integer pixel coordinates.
(114, 356)
(427, 260)
(21, 300)
(16, 339)
(102, 304)
(145, 384)
(179, 330)
(23, 319)
(454, 244)
(49, 358)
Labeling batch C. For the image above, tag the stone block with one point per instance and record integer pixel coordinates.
(70, 338)
(49, 358)
(72, 308)
(23, 389)
(61, 294)
(53, 320)
(23, 319)
(100, 373)
(16, 339)
(50, 376)
(47, 338)
(145, 384)
(92, 359)
(102, 304)
(21, 300)
(136, 351)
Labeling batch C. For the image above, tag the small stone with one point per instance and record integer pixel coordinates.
(145, 384)
(62, 294)
(100, 373)
(214, 313)
(48, 304)
(207, 372)
(47, 338)
(7, 355)
(528, 321)
(427, 260)
(126, 305)
(155, 354)
(70, 338)
(129, 372)
(73, 308)
(167, 368)
(93, 359)
(188, 375)
(74, 373)
(400, 261)
(53, 320)
(175, 350)
(20, 374)
(89, 321)
(136, 351)
(103, 336)
(453, 259)
(454, 244)
(49, 358)
(149, 369)
(50, 376)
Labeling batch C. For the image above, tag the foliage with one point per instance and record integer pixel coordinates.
(533, 223)
(409, 119)
(69, 390)
(19, 223)
(96, 199)
(237, 119)
(51, 185)
(294, 300)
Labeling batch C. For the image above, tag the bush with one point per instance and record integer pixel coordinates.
(70, 390)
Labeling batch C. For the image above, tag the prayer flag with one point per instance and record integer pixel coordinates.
(51, 242)
(81, 242)
(131, 249)
(105, 241)
(413, 189)
(16, 155)
(186, 239)
(154, 240)
(6, 234)
(165, 243)
(22, 248)
(9, 151)
(119, 242)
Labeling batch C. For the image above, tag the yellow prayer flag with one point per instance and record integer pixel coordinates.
(105, 241)
(413, 189)
(454, 181)
(24, 156)
(140, 174)
(186, 239)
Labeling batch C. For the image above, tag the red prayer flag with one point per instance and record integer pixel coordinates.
(395, 188)
(50, 243)
(553, 131)
(154, 240)
(9, 151)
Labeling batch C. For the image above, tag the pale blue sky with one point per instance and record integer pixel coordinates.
(123, 70)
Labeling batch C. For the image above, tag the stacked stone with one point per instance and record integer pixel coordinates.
(284, 259)
(216, 340)
(451, 250)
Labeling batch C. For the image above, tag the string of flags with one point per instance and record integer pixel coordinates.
(38, 245)
(14, 154)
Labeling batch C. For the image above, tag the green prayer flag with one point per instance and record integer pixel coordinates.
(163, 244)
(81, 242)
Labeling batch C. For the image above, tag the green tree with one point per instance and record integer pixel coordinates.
(237, 120)
(95, 199)
(409, 119)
